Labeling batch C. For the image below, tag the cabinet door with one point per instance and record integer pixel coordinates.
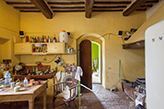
(22, 48)
(55, 48)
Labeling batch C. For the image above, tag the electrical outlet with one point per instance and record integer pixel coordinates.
(44, 59)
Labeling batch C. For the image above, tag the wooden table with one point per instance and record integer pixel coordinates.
(50, 78)
(29, 95)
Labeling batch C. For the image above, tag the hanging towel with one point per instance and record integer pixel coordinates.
(79, 72)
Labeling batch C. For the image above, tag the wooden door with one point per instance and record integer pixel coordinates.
(85, 63)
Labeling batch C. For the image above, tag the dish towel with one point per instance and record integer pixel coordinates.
(79, 72)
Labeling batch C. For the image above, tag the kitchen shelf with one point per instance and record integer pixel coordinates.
(135, 45)
(63, 53)
(39, 53)
(42, 48)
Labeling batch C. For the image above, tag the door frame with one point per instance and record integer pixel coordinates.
(103, 70)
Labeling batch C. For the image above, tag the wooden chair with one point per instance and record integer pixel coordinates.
(59, 92)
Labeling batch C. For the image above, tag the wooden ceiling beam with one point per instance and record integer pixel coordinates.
(114, 10)
(141, 9)
(29, 10)
(150, 1)
(133, 6)
(112, 2)
(17, 7)
(146, 5)
(109, 6)
(77, 7)
(44, 8)
(66, 3)
(69, 10)
(88, 8)
(18, 3)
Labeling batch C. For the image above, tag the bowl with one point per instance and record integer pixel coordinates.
(38, 45)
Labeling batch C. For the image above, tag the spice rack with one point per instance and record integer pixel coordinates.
(39, 48)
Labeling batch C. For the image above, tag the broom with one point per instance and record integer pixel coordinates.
(119, 85)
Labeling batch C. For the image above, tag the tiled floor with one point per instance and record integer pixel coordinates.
(100, 98)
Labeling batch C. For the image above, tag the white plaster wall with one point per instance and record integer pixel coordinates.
(150, 11)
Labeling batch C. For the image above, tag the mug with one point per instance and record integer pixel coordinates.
(32, 81)
(12, 84)
(16, 89)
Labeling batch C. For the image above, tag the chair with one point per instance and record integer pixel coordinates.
(66, 92)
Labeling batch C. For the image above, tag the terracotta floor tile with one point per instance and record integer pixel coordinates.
(100, 98)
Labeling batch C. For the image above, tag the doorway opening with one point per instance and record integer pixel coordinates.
(101, 41)
(96, 62)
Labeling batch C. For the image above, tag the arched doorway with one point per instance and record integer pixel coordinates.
(98, 39)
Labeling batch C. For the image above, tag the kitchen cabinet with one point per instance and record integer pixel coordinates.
(55, 48)
(22, 48)
(39, 48)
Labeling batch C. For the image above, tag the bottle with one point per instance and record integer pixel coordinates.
(7, 78)
(54, 40)
(36, 69)
(45, 39)
(25, 82)
(38, 40)
(68, 50)
(42, 38)
(49, 39)
(32, 39)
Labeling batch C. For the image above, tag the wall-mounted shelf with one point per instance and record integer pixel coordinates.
(39, 53)
(135, 45)
(40, 49)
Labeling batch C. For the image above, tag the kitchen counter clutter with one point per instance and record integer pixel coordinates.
(131, 90)
(30, 73)
(21, 93)
(136, 91)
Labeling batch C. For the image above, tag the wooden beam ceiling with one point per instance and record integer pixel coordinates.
(133, 6)
(88, 8)
(44, 8)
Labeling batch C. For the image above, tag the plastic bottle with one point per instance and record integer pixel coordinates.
(7, 78)
(36, 69)
(25, 82)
